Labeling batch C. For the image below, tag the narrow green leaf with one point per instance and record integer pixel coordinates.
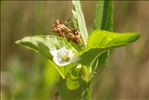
(99, 14)
(103, 15)
(107, 20)
(78, 15)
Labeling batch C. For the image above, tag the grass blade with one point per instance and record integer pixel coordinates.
(103, 15)
(99, 14)
(107, 21)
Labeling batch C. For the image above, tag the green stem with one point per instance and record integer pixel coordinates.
(82, 93)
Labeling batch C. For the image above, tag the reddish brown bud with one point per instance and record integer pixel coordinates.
(66, 32)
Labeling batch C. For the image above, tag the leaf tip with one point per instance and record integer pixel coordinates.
(135, 36)
(17, 42)
(138, 36)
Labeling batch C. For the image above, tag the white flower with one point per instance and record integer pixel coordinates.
(62, 57)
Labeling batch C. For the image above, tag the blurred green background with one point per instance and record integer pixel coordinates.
(26, 75)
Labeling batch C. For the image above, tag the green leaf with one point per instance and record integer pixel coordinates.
(60, 70)
(75, 76)
(42, 44)
(50, 74)
(75, 85)
(107, 20)
(99, 14)
(103, 15)
(72, 84)
(73, 81)
(98, 64)
(88, 57)
(85, 75)
(106, 39)
(104, 21)
(78, 15)
(100, 41)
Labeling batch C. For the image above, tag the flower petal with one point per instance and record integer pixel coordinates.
(63, 56)
(53, 51)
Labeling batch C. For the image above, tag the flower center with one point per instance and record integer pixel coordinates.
(64, 56)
